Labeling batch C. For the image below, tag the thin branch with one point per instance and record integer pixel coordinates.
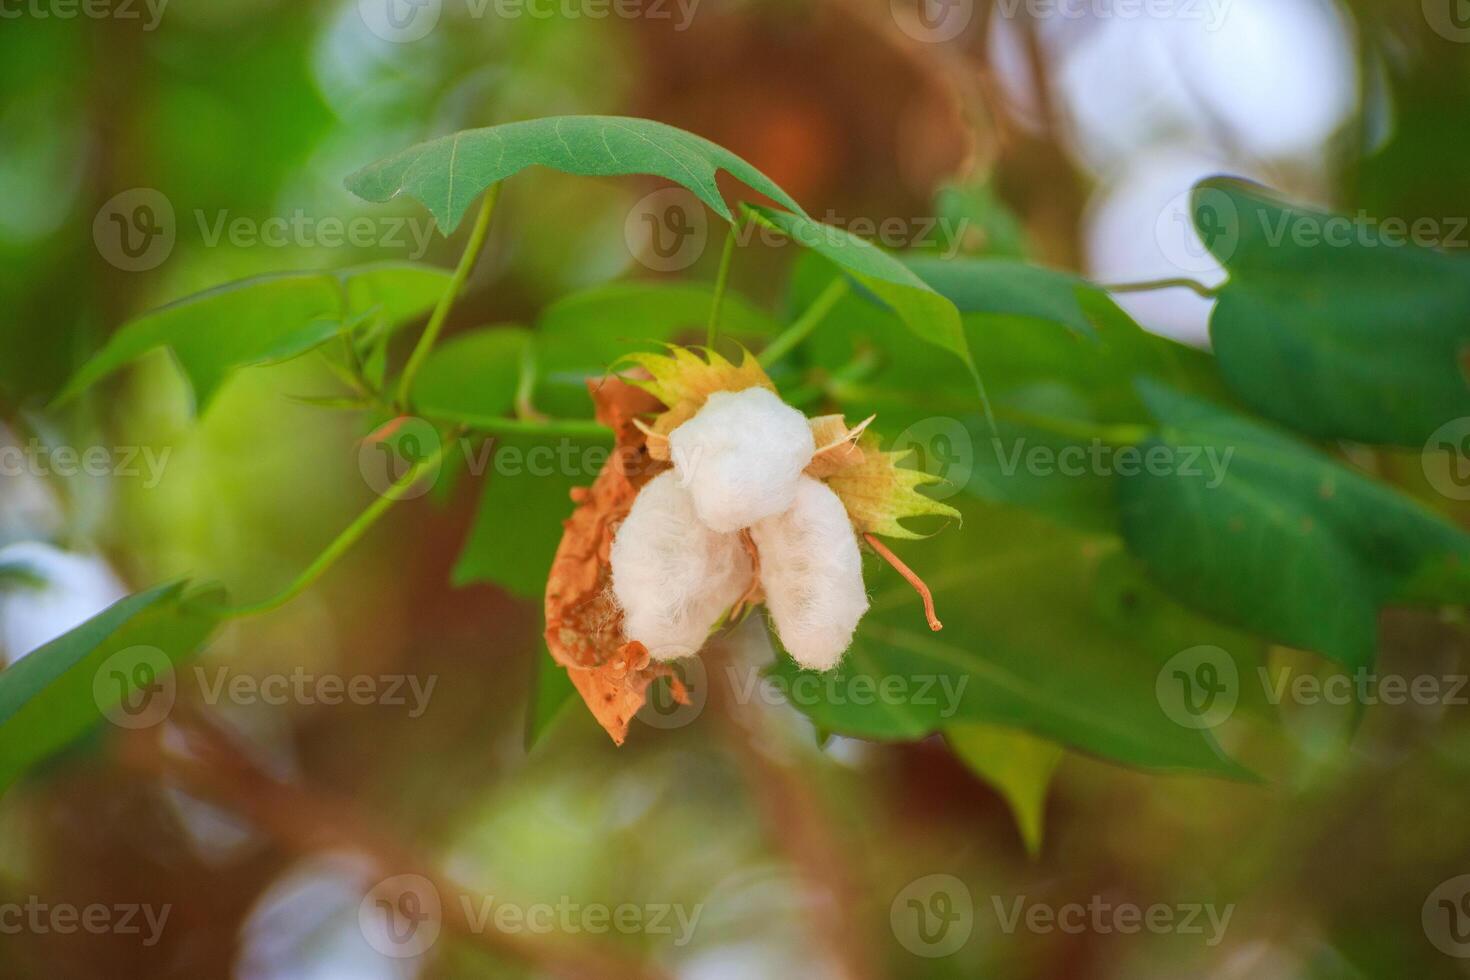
(712, 331)
(810, 319)
(1208, 292)
(451, 292)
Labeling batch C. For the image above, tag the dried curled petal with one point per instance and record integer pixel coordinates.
(584, 626)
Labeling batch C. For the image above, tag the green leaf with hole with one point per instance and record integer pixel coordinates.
(448, 173)
(922, 310)
(1277, 537)
(1331, 325)
(1045, 630)
(59, 692)
(1019, 766)
(265, 319)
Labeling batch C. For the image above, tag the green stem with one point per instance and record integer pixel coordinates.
(809, 320)
(347, 538)
(723, 276)
(456, 283)
(1208, 292)
(500, 425)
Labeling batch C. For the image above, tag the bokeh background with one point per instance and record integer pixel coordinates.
(1066, 132)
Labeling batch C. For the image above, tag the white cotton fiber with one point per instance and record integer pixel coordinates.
(812, 573)
(672, 576)
(741, 456)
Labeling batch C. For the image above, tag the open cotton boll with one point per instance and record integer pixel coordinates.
(812, 573)
(672, 575)
(741, 456)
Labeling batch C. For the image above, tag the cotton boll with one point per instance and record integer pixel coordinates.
(672, 575)
(72, 589)
(812, 573)
(741, 456)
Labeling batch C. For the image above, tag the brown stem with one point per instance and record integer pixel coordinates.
(913, 579)
(308, 822)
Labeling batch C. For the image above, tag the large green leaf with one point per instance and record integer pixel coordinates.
(1288, 543)
(923, 310)
(1045, 630)
(581, 335)
(446, 174)
(1058, 357)
(264, 319)
(1329, 325)
(56, 694)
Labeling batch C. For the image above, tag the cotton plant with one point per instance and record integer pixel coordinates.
(720, 497)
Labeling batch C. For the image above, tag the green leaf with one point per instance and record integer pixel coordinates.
(1007, 286)
(974, 212)
(447, 174)
(1038, 635)
(582, 334)
(264, 319)
(525, 498)
(56, 694)
(472, 375)
(1288, 542)
(923, 310)
(1331, 327)
(1018, 765)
